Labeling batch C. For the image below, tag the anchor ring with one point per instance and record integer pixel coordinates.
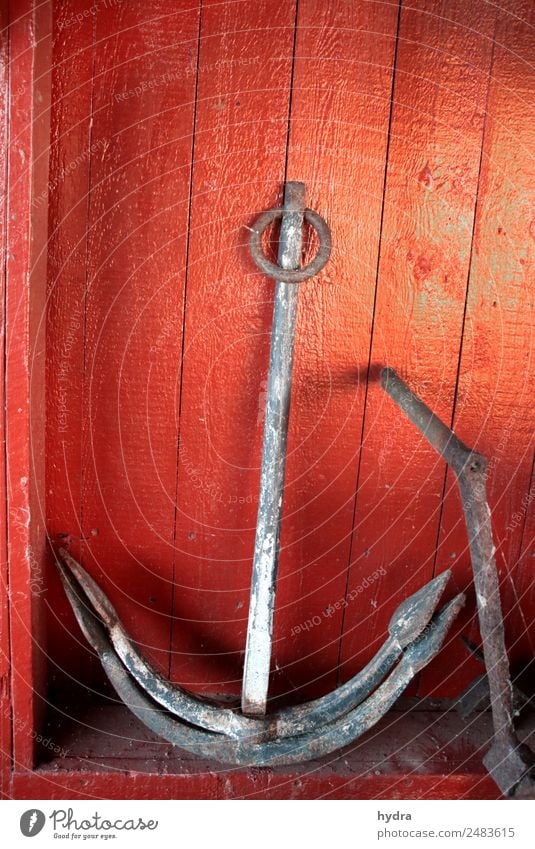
(284, 275)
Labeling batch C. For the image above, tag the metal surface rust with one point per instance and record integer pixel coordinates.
(511, 763)
(249, 750)
(290, 272)
(296, 733)
(255, 682)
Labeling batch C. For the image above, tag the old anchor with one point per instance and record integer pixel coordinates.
(251, 736)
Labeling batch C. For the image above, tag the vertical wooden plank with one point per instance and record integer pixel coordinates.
(338, 141)
(494, 409)
(241, 128)
(343, 63)
(70, 155)
(5, 700)
(29, 129)
(435, 141)
(144, 82)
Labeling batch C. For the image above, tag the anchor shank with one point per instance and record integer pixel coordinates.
(266, 551)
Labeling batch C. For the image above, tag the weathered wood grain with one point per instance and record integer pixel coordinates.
(142, 122)
(5, 706)
(340, 113)
(411, 755)
(134, 263)
(494, 404)
(70, 165)
(29, 135)
(241, 125)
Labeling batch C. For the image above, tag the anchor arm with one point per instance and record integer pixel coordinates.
(296, 749)
(408, 621)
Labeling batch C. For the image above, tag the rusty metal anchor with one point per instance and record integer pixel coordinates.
(295, 734)
(304, 732)
(407, 624)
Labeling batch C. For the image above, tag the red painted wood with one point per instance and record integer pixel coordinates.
(5, 701)
(122, 231)
(141, 136)
(240, 142)
(441, 80)
(70, 164)
(416, 754)
(29, 135)
(119, 785)
(338, 140)
(494, 408)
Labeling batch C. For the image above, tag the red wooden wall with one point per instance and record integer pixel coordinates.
(5, 709)
(171, 130)
(26, 46)
(172, 126)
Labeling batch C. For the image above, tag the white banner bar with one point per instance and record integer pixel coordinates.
(269, 824)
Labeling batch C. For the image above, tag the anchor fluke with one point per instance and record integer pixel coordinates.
(412, 615)
(281, 739)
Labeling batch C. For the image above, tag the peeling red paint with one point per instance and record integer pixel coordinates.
(158, 326)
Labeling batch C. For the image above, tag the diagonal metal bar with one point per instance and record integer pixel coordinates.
(266, 551)
(511, 764)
